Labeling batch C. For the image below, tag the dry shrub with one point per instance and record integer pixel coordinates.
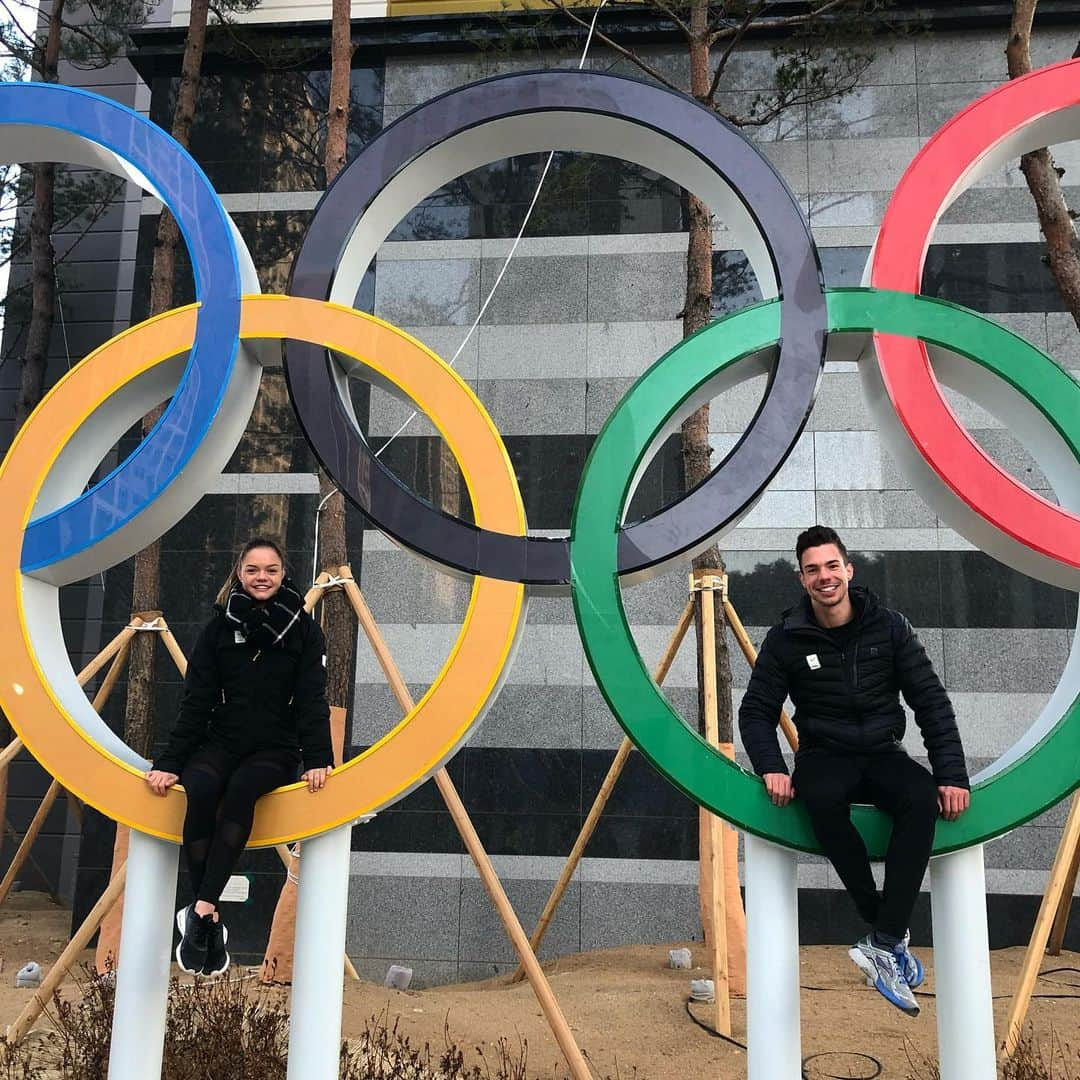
(382, 1052)
(16, 1063)
(234, 1029)
(1035, 1058)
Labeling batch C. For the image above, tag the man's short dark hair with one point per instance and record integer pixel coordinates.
(815, 537)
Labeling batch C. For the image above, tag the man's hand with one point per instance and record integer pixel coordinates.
(315, 779)
(953, 801)
(778, 785)
(159, 781)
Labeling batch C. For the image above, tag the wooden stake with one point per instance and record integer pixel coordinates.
(10, 752)
(748, 650)
(173, 649)
(1070, 839)
(601, 800)
(579, 1070)
(107, 953)
(105, 655)
(108, 684)
(28, 840)
(718, 938)
(33, 865)
(1061, 919)
(278, 958)
(67, 958)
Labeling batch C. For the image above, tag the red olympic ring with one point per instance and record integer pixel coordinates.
(1028, 107)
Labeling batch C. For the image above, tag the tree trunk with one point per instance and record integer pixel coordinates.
(139, 711)
(1043, 179)
(335, 611)
(42, 255)
(337, 616)
(697, 455)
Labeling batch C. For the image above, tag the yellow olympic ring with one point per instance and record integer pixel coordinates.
(422, 740)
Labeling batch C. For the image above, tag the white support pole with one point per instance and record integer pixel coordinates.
(773, 1037)
(321, 908)
(142, 979)
(965, 1012)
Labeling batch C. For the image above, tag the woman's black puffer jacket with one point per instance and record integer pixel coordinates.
(848, 700)
(244, 698)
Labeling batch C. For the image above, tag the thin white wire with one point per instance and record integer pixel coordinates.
(483, 307)
(513, 247)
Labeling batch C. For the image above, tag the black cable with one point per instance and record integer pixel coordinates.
(878, 1067)
(810, 1057)
(711, 1030)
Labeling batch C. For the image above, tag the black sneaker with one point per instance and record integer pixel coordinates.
(217, 959)
(194, 939)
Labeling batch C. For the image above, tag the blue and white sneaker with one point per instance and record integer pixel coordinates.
(910, 965)
(883, 972)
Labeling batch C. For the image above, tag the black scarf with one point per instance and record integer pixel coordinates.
(265, 623)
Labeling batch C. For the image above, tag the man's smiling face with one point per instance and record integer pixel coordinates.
(824, 574)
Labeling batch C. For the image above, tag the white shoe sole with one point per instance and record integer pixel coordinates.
(181, 919)
(228, 959)
(865, 964)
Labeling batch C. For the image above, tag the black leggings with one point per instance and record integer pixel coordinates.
(222, 790)
(827, 784)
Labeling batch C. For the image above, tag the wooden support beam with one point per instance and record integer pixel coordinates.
(715, 832)
(172, 646)
(105, 655)
(10, 752)
(579, 1070)
(1029, 972)
(108, 684)
(67, 959)
(601, 800)
(9, 831)
(748, 650)
(1061, 918)
(28, 839)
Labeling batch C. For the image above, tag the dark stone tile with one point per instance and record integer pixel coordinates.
(208, 526)
(643, 838)
(96, 843)
(978, 591)
(190, 581)
(992, 277)
(522, 781)
(639, 792)
(909, 581)
(527, 834)
(20, 812)
(426, 797)
(90, 883)
(432, 831)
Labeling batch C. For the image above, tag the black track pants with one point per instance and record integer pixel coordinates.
(222, 790)
(828, 783)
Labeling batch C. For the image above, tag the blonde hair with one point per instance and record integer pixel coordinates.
(234, 575)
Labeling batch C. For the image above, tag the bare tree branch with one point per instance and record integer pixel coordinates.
(1044, 179)
(752, 13)
(610, 43)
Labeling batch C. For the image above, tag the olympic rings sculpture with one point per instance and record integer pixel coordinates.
(55, 532)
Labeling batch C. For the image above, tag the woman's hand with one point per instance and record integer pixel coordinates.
(315, 779)
(160, 782)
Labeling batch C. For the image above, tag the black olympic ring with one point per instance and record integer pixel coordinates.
(591, 112)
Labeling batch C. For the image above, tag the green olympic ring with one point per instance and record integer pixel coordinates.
(696, 369)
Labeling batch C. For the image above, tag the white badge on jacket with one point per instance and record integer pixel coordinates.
(812, 662)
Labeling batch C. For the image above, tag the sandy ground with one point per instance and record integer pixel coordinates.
(628, 1010)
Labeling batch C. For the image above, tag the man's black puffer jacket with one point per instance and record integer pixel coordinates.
(849, 701)
(244, 699)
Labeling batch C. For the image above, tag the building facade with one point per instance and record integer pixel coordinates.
(591, 298)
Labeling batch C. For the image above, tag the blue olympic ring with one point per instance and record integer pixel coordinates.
(171, 174)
